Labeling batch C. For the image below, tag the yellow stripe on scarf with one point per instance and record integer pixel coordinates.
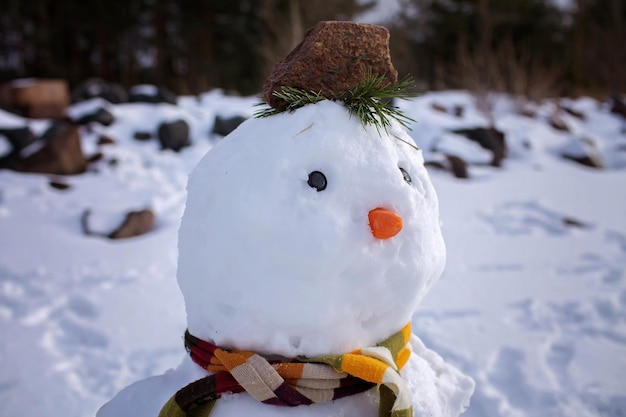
(380, 365)
(363, 367)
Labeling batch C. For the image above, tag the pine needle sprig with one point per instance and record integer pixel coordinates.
(375, 86)
(369, 101)
(295, 98)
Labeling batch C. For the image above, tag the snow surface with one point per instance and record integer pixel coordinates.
(533, 308)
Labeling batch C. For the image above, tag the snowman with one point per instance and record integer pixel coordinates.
(309, 237)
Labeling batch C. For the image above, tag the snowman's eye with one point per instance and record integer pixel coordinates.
(406, 175)
(317, 180)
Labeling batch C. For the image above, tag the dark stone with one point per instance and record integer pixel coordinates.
(458, 166)
(454, 164)
(101, 115)
(96, 87)
(54, 129)
(95, 157)
(586, 160)
(174, 135)
(19, 137)
(587, 154)
(571, 222)
(577, 114)
(7, 161)
(142, 136)
(224, 125)
(36, 98)
(136, 223)
(458, 110)
(333, 57)
(618, 106)
(61, 154)
(59, 185)
(47, 111)
(490, 139)
(558, 123)
(435, 164)
(438, 107)
(105, 140)
(160, 95)
(527, 112)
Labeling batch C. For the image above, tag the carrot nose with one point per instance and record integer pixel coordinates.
(384, 223)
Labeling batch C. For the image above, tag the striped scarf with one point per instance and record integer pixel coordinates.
(300, 381)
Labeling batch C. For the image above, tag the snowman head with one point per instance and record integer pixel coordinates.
(308, 233)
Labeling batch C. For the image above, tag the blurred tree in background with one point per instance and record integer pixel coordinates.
(186, 45)
(520, 46)
(444, 35)
(526, 47)
(599, 38)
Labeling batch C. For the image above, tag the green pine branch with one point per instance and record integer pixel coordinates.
(295, 99)
(368, 101)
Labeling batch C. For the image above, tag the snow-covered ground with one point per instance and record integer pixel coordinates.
(532, 303)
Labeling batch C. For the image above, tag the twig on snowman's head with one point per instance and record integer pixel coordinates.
(412, 145)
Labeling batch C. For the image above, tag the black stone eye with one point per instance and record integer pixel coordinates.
(317, 180)
(406, 175)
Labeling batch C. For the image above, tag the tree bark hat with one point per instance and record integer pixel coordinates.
(333, 57)
(341, 61)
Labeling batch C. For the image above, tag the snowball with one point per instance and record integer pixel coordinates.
(267, 263)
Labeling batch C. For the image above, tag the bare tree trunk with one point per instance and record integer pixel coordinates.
(283, 31)
(159, 44)
(295, 21)
(486, 62)
(485, 23)
(578, 67)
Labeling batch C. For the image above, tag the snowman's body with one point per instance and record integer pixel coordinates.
(274, 261)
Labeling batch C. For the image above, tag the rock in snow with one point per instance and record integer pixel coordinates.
(174, 135)
(19, 137)
(61, 154)
(332, 58)
(224, 125)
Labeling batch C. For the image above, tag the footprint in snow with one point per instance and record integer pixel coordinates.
(617, 238)
(599, 317)
(82, 307)
(508, 375)
(604, 269)
(80, 349)
(559, 358)
(73, 330)
(527, 217)
(22, 297)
